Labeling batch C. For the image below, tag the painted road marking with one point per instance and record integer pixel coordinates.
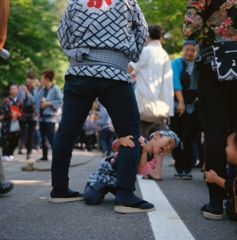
(165, 222)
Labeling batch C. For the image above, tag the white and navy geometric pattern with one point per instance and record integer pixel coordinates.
(103, 25)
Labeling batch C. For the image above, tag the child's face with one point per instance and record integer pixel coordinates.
(231, 150)
(160, 145)
(13, 90)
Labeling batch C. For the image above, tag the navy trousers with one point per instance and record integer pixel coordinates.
(119, 100)
(218, 101)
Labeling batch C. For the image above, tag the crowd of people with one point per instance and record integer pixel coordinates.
(200, 95)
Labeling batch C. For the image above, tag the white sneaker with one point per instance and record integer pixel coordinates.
(4, 53)
(13, 158)
(7, 159)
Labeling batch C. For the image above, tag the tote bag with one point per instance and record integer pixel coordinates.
(151, 110)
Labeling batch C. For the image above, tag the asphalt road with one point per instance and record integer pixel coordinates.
(25, 212)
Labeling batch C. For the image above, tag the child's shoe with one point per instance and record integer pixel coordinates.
(213, 210)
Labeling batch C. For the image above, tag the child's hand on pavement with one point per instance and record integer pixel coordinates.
(126, 141)
(211, 176)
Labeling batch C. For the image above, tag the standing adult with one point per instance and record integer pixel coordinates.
(99, 53)
(154, 79)
(153, 72)
(183, 120)
(214, 23)
(5, 186)
(49, 103)
(27, 93)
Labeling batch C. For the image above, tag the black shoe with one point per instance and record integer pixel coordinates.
(213, 210)
(5, 187)
(62, 195)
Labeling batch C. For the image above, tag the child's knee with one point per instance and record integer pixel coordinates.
(93, 197)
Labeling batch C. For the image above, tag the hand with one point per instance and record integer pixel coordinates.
(211, 176)
(24, 87)
(143, 144)
(181, 108)
(36, 82)
(14, 116)
(126, 141)
(45, 104)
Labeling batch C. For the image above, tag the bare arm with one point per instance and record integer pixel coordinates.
(181, 106)
(4, 13)
(212, 177)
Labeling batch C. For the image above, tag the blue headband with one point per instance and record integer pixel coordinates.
(168, 133)
(191, 42)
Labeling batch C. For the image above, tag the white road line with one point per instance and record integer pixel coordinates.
(165, 222)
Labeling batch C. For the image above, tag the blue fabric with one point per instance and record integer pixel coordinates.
(177, 67)
(119, 100)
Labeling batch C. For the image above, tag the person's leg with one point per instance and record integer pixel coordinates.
(102, 137)
(50, 132)
(44, 140)
(22, 135)
(176, 126)
(2, 174)
(109, 142)
(215, 107)
(5, 146)
(187, 151)
(13, 142)
(119, 100)
(93, 197)
(79, 94)
(30, 137)
(89, 140)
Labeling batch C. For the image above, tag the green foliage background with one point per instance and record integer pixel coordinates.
(33, 44)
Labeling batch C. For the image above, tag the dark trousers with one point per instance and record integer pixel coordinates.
(9, 144)
(119, 100)
(106, 140)
(29, 126)
(184, 128)
(47, 132)
(89, 141)
(218, 101)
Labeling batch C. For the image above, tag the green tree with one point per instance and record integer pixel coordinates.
(32, 41)
(170, 14)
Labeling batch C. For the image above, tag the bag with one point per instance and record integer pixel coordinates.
(225, 60)
(15, 126)
(151, 110)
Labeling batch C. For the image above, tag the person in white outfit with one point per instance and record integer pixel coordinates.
(154, 76)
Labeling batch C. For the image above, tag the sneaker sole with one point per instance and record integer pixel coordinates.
(64, 200)
(123, 209)
(187, 178)
(211, 216)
